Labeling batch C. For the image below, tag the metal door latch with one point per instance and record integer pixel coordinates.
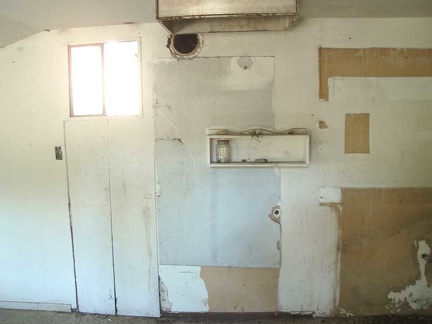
(58, 153)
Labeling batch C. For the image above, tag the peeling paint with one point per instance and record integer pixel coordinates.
(419, 295)
(166, 305)
(182, 289)
(322, 124)
(275, 216)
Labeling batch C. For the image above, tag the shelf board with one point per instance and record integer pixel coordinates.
(281, 149)
(251, 135)
(257, 165)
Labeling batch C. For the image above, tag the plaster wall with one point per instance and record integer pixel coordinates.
(37, 264)
(309, 271)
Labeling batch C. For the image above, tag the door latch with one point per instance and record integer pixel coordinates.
(58, 153)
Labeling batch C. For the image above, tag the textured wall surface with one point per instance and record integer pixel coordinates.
(384, 233)
(37, 263)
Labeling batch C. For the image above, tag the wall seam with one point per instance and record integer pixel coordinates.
(70, 216)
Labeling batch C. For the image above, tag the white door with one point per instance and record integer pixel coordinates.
(111, 189)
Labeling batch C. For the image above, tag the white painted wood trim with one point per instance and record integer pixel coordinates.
(36, 306)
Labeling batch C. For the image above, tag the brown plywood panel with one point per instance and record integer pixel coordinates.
(379, 228)
(241, 289)
(372, 62)
(357, 133)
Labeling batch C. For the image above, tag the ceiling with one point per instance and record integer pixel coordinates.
(22, 18)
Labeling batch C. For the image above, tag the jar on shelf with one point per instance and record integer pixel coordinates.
(223, 151)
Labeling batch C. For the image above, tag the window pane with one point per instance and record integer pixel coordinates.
(86, 80)
(122, 79)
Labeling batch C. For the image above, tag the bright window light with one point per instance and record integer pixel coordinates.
(86, 80)
(121, 79)
(105, 79)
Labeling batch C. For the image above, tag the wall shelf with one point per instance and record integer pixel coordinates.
(280, 148)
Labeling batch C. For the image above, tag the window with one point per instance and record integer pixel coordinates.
(105, 79)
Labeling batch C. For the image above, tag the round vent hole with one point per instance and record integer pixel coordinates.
(185, 45)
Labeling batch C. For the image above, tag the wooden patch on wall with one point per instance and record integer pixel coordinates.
(357, 133)
(372, 62)
(379, 229)
(241, 289)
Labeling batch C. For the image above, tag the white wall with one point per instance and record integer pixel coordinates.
(309, 268)
(36, 252)
(34, 224)
(208, 216)
(37, 259)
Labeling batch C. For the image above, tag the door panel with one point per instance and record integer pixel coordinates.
(88, 174)
(111, 181)
(133, 216)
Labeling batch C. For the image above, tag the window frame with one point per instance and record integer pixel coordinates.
(101, 45)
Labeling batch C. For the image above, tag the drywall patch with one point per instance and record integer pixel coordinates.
(200, 215)
(424, 135)
(245, 62)
(241, 289)
(364, 89)
(182, 289)
(330, 195)
(419, 295)
(378, 227)
(372, 62)
(357, 133)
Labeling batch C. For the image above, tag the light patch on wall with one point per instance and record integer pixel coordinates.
(380, 89)
(203, 212)
(419, 295)
(248, 73)
(424, 125)
(357, 133)
(182, 289)
(330, 195)
(372, 62)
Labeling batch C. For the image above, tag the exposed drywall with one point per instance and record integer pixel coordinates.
(218, 289)
(372, 62)
(241, 289)
(357, 133)
(211, 217)
(418, 295)
(384, 231)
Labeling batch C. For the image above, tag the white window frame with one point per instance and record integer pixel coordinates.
(101, 44)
